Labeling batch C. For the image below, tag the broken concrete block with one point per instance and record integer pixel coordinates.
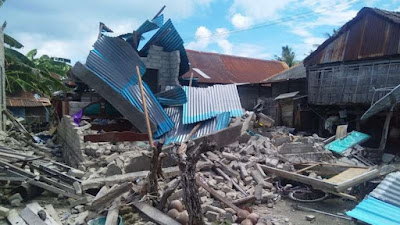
(212, 156)
(15, 203)
(4, 211)
(271, 162)
(248, 180)
(229, 156)
(250, 150)
(278, 141)
(76, 173)
(16, 196)
(258, 191)
(232, 195)
(113, 169)
(211, 208)
(212, 216)
(296, 148)
(112, 157)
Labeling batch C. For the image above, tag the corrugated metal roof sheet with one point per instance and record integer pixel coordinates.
(173, 96)
(114, 61)
(181, 131)
(26, 99)
(286, 95)
(206, 103)
(376, 212)
(385, 102)
(389, 189)
(351, 139)
(228, 69)
(168, 38)
(293, 73)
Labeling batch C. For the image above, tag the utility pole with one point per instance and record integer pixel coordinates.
(2, 82)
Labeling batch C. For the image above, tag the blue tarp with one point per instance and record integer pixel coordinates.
(341, 145)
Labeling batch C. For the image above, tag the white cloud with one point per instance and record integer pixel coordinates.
(203, 37)
(240, 21)
(301, 31)
(252, 50)
(246, 12)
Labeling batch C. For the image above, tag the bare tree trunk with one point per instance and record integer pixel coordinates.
(188, 158)
(154, 170)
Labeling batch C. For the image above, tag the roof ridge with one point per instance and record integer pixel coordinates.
(233, 56)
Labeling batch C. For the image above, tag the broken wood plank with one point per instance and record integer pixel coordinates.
(102, 202)
(216, 195)
(307, 168)
(357, 180)
(154, 214)
(14, 218)
(315, 183)
(30, 217)
(346, 175)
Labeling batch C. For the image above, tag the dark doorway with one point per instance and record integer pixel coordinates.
(151, 79)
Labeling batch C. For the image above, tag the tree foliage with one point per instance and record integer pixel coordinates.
(27, 73)
(287, 56)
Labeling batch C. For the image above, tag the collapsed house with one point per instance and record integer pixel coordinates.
(212, 163)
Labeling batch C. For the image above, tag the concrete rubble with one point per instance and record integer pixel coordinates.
(235, 172)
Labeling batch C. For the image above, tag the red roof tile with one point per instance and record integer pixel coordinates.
(227, 69)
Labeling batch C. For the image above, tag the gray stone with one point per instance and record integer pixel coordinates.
(16, 196)
(296, 148)
(310, 217)
(113, 169)
(4, 211)
(229, 156)
(212, 216)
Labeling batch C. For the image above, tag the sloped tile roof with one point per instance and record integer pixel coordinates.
(217, 68)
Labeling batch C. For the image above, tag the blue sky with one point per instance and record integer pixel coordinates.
(252, 28)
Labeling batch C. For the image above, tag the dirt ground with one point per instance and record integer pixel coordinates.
(286, 214)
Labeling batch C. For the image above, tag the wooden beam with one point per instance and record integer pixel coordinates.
(307, 168)
(115, 137)
(154, 214)
(357, 180)
(315, 183)
(102, 202)
(146, 113)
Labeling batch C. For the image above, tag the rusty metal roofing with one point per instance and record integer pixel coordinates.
(371, 34)
(26, 99)
(217, 68)
(293, 73)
